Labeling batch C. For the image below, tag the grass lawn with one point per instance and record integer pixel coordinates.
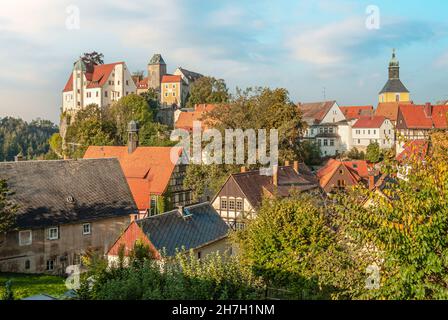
(25, 285)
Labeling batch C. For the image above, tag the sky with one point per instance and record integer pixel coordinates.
(332, 49)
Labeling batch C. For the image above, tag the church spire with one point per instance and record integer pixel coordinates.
(394, 67)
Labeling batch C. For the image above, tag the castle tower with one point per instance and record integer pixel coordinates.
(394, 90)
(156, 70)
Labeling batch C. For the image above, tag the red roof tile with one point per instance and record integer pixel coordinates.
(171, 78)
(186, 118)
(357, 169)
(422, 117)
(369, 122)
(315, 112)
(388, 110)
(96, 79)
(147, 170)
(143, 84)
(355, 112)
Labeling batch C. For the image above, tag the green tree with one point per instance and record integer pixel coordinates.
(293, 244)
(208, 90)
(373, 153)
(355, 154)
(152, 99)
(311, 153)
(407, 229)
(8, 210)
(55, 143)
(8, 293)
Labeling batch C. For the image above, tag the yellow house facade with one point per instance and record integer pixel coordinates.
(171, 90)
(394, 90)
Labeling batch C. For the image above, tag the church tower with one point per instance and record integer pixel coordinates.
(156, 70)
(394, 90)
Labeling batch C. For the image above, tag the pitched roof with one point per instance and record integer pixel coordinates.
(171, 78)
(355, 112)
(388, 110)
(394, 85)
(190, 75)
(357, 170)
(315, 112)
(414, 149)
(50, 193)
(143, 84)
(254, 185)
(95, 79)
(174, 230)
(186, 118)
(423, 117)
(157, 59)
(148, 169)
(369, 122)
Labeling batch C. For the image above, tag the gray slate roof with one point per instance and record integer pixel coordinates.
(171, 230)
(190, 75)
(157, 59)
(394, 85)
(66, 191)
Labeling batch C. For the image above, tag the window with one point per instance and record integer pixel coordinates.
(25, 238)
(325, 142)
(359, 141)
(368, 131)
(321, 130)
(239, 205)
(332, 142)
(374, 131)
(53, 233)
(86, 228)
(50, 265)
(105, 93)
(174, 85)
(223, 204)
(127, 92)
(166, 94)
(166, 86)
(326, 130)
(118, 94)
(312, 131)
(118, 82)
(174, 94)
(232, 204)
(319, 142)
(127, 82)
(27, 264)
(97, 93)
(199, 254)
(330, 130)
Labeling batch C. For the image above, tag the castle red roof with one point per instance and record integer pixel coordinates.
(97, 78)
(171, 78)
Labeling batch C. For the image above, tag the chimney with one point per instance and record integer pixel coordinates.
(132, 136)
(243, 169)
(371, 180)
(428, 109)
(275, 175)
(287, 163)
(296, 166)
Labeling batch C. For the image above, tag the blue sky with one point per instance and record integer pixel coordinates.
(301, 45)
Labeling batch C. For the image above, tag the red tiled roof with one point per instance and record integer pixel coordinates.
(171, 78)
(97, 78)
(147, 170)
(143, 84)
(186, 118)
(355, 112)
(423, 117)
(388, 110)
(315, 111)
(357, 169)
(414, 149)
(369, 122)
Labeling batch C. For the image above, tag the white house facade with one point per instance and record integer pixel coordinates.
(98, 84)
(368, 130)
(327, 127)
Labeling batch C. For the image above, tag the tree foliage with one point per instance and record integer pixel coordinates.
(408, 227)
(181, 277)
(92, 58)
(29, 139)
(292, 244)
(208, 90)
(8, 209)
(373, 153)
(355, 154)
